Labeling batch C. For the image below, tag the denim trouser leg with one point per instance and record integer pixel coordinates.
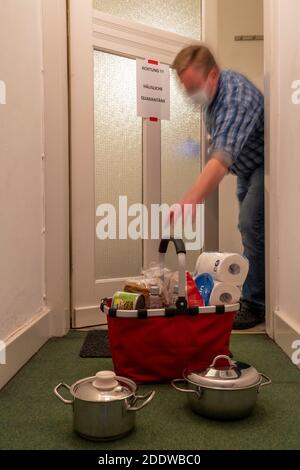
(250, 193)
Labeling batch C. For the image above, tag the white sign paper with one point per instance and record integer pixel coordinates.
(153, 90)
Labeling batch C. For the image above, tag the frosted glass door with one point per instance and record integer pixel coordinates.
(118, 158)
(180, 154)
(113, 152)
(177, 16)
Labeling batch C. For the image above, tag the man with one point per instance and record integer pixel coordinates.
(234, 116)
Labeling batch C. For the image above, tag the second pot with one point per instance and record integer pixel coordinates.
(226, 392)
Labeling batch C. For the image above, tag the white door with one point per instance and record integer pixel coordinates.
(115, 153)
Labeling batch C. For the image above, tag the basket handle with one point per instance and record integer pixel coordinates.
(179, 245)
(181, 253)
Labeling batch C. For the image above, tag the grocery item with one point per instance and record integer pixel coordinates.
(174, 296)
(194, 297)
(224, 267)
(205, 284)
(128, 301)
(224, 294)
(155, 300)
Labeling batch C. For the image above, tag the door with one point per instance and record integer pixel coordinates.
(117, 155)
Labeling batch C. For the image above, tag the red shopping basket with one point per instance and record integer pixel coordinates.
(151, 346)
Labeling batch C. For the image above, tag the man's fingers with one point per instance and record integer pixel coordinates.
(180, 211)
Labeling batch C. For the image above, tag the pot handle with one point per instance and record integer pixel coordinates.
(147, 397)
(185, 390)
(66, 402)
(267, 382)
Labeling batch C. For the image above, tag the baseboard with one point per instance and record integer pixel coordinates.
(285, 333)
(88, 316)
(23, 344)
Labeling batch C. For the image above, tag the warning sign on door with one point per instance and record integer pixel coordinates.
(153, 89)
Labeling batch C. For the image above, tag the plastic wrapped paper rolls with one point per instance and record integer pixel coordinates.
(224, 294)
(224, 267)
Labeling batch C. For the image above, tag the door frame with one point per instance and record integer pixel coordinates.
(210, 37)
(58, 294)
(271, 43)
(89, 30)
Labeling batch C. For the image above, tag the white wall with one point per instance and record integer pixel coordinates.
(237, 17)
(283, 169)
(34, 202)
(289, 162)
(21, 176)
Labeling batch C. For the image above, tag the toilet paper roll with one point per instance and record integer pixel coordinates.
(224, 267)
(224, 294)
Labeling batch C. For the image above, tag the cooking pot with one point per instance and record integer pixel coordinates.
(227, 391)
(104, 406)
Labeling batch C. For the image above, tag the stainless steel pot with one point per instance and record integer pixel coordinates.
(104, 406)
(226, 392)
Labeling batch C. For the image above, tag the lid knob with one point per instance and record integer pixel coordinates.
(105, 380)
(227, 358)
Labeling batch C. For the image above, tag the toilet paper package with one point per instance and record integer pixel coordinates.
(230, 268)
(224, 294)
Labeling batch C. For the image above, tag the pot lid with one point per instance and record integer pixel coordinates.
(104, 386)
(225, 373)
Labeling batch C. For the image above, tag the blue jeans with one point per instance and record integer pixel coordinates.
(250, 193)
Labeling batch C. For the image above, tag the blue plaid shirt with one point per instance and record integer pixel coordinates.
(235, 122)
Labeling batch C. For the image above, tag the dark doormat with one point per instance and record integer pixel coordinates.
(96, 344)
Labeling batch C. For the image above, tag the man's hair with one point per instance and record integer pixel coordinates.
(198, 56)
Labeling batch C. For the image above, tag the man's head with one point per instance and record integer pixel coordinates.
(198, 72)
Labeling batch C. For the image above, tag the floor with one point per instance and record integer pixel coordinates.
(258, 329)
(33, 418)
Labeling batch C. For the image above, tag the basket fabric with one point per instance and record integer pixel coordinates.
(158, 345)
(159, 349)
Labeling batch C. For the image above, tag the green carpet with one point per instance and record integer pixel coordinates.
(33, 418)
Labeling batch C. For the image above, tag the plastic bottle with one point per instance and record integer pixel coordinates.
(155, 300)
(205, 285)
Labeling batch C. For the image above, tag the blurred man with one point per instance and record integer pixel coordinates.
(234, 116)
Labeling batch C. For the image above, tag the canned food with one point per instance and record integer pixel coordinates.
(128, 301)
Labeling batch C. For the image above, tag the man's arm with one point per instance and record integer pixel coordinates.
(208, 180)
(206, 183)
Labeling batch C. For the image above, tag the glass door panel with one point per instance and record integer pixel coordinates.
(180, 154)
(118, 158)
(181, 17)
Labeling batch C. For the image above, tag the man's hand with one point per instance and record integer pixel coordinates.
(207, 182)
(190, 199)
